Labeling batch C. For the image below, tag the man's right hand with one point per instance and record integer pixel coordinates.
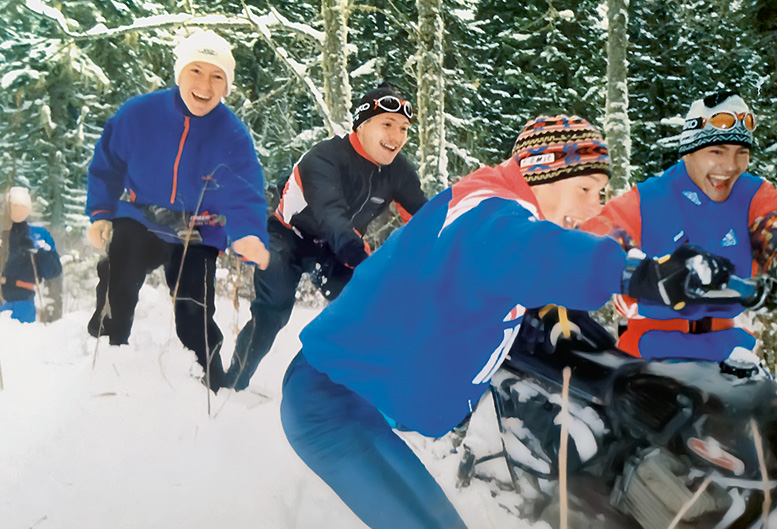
(100, 233)
(252, 249)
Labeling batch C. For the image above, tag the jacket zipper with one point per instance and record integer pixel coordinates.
(178, 158)
(369, 194)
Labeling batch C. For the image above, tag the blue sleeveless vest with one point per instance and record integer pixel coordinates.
(674, 211)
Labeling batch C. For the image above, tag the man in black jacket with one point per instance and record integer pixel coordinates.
(333, 193)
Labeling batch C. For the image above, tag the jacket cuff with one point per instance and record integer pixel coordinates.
(101, 214)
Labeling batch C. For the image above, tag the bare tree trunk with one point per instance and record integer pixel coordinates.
(431, 96)
(337, 88)
(617, 127)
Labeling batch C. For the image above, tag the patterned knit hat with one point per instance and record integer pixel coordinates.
(551, 148)
(382, 99)
(718, 119)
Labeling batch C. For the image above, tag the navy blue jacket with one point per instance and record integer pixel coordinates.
(336, 190)
(26, 243)
(157, 153)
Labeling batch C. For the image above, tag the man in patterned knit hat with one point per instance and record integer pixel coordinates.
(706, 199)
(414, 339)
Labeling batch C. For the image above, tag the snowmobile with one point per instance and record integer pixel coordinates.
(652, 444)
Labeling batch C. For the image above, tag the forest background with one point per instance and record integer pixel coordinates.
(476, 71)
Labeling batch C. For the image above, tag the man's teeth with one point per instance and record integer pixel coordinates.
(198, 96)
(717, 179)
(389, 147)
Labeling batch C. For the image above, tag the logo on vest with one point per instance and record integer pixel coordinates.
(693, 197)
(730, 239)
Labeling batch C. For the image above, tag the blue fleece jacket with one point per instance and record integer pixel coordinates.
(429, 317)
(157, 153)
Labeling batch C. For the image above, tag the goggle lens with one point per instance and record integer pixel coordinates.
(749, 121)
(727, 120)
(723, 120)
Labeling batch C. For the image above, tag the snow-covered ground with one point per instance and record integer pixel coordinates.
(94, 436)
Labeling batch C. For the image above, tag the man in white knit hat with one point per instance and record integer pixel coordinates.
(174, 180)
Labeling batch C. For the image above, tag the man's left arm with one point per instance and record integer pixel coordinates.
(762, 221)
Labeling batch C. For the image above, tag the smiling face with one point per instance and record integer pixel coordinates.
(571, 201)
(202, 86)
(716, 168)
(384, 136)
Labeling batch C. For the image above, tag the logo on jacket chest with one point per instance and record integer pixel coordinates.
(729, 239)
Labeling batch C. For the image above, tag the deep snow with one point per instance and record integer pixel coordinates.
(130, 443)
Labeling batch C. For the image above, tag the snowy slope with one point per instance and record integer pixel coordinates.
(130, 443)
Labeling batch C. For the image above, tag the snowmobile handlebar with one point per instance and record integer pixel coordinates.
(753, 293)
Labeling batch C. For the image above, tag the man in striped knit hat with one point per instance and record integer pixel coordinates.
(415, 337)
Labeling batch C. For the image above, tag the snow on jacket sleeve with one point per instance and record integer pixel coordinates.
(321, 184)
(545, 263)
(762, 219)
(107, 172)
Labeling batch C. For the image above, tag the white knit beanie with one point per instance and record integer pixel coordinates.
(19, 196)
(205, 46)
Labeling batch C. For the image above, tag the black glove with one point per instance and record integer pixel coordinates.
(675, 280)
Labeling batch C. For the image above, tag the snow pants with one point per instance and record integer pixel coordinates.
(23, 310)
(133, 253)
(349, 444)
(276, 289)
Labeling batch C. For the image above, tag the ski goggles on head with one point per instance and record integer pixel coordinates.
(394, 104)
(723, 120)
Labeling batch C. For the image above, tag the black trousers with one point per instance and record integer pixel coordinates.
(276, 288)
(133, 253)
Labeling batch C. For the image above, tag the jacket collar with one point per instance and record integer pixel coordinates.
(359, 148)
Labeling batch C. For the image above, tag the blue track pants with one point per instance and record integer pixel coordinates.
(349, 444)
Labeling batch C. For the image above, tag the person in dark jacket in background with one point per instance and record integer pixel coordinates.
(175, 179)
(32, 257)
(333, 193)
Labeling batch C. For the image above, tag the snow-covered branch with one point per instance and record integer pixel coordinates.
(297, 69)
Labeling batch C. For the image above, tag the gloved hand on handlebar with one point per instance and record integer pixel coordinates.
(677, 279)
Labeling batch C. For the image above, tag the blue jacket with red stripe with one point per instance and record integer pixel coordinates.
(159, 154)
(431, 315)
